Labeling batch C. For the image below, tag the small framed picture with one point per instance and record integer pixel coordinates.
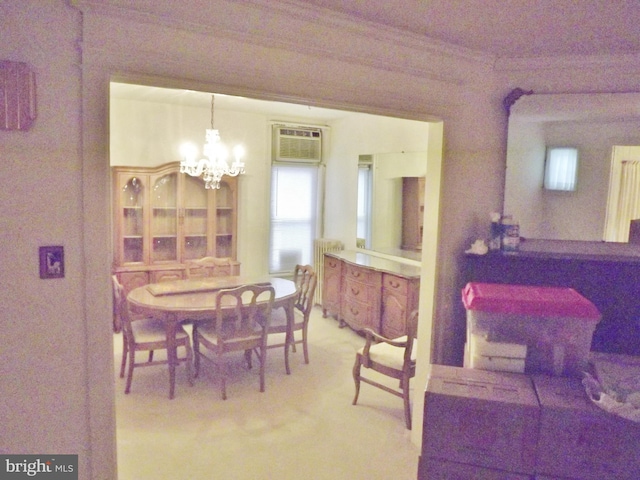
(52, 262)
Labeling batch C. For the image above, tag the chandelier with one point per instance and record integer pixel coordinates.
(215, 165)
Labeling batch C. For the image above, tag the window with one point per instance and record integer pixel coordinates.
(560, 169)
(293, 216)
(364, 206)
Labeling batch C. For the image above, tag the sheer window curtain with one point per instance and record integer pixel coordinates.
(624, 202)
(364, 206)
(294, 216)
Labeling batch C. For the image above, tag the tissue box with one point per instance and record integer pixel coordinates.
(482, 418)
(435, 469)
(556, 324)
(579, 440)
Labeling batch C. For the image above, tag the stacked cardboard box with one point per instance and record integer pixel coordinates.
(579, 440)
(497, 425)
(481, 423)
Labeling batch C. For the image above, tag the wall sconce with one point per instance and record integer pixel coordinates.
(561, 168)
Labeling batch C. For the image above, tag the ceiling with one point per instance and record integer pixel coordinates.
(500, 28)
(510, 28)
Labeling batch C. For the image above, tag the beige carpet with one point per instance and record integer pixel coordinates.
(302, 427)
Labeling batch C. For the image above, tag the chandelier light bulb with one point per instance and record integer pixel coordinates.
(214, 166)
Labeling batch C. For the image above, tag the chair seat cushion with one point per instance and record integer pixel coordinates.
(279, 319)
(208, 332)
(388, 355)
(153, 330)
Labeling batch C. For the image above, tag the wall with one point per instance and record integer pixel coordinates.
(61, 399)
(45, 400)
(150, 133)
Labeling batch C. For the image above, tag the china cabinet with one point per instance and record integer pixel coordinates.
(164, 218)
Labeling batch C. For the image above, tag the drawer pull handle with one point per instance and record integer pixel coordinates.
(356, 274)
(355, 291)
(394, 284)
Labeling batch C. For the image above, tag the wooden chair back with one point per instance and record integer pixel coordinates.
(306, 280)
(239, 327)
(212, 267)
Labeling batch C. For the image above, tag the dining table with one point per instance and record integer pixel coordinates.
(194, 300)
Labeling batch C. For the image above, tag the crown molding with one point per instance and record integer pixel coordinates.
(625, 61)
(353, 41)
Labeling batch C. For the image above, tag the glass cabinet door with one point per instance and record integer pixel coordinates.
(196, 218)
(132, 238)
(225, 220)
(164, 218)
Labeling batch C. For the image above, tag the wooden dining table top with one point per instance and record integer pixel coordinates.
(192, 296)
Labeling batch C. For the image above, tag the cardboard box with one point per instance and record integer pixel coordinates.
(556, 324)
(436, 469)
(482, 418)
(579, 440)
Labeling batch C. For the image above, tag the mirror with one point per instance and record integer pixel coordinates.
(594, 123)
(396, 205)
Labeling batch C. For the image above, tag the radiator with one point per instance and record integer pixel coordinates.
(320, 246)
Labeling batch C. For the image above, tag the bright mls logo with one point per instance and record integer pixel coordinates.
(50, 467)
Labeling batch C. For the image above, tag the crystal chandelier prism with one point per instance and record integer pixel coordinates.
(214, 166)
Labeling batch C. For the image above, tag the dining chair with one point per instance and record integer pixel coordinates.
(241, 324)
(145, 334)
(305, 279)
(212, 267)
(395, 358)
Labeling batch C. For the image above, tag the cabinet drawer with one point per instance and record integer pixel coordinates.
(361, 292)
(360, 315)
(395, 284)
(363, 275)
(332, 263)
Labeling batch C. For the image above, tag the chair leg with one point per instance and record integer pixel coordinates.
(189, 361)
(247, 358)
(196, 352)
(287, 344)
(305, 346)
(407, 406)
(150, 356)
(125, 352)
(356, 376)
(223, 380)
(132, 361)
(263, 355)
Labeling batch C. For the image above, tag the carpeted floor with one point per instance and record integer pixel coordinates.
(302, 427)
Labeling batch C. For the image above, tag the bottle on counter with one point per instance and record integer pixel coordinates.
(495, 233)
(510, 234)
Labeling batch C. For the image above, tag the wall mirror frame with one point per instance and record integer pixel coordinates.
(592, 122)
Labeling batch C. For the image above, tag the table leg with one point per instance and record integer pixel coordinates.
(171, 323)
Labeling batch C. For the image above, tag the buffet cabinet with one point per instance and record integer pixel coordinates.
(364, 291)
(163, 218)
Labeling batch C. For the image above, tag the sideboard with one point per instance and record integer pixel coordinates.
(606, 273)
(365, 291)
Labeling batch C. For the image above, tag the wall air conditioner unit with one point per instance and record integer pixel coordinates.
(297, 144)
